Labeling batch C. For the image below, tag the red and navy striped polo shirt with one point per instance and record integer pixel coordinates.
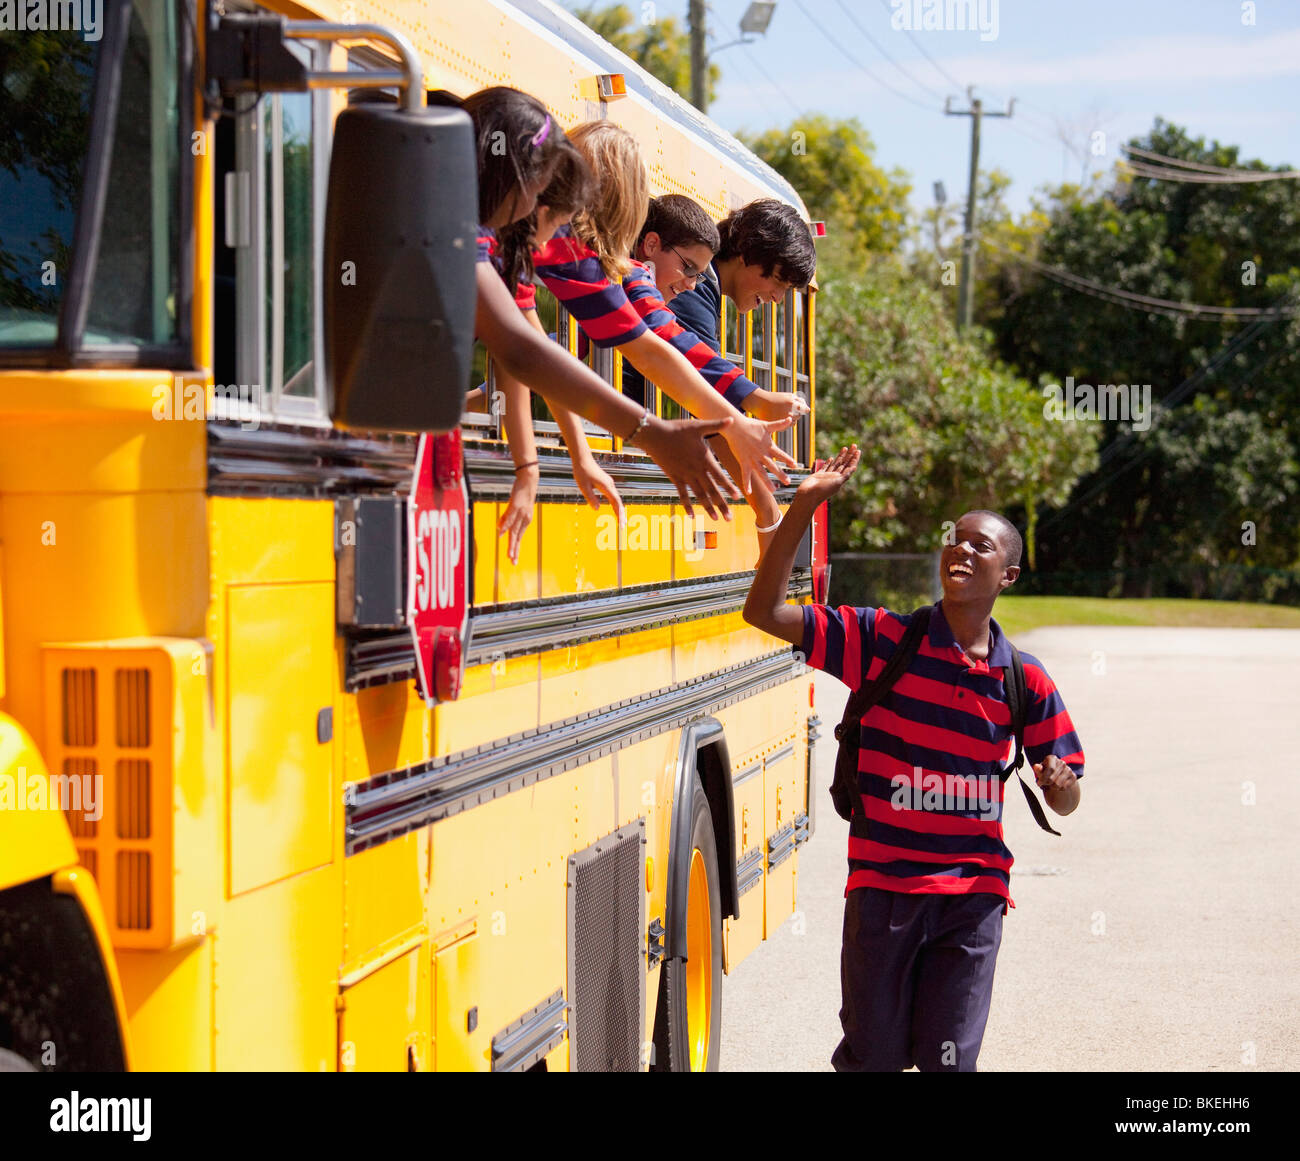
(721, 374)
(572, 272)
(932, 748)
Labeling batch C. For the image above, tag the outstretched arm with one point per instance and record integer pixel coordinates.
(766, 606)
(677, 447)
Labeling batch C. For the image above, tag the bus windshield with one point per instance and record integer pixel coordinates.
(46, 85)
(48, 82)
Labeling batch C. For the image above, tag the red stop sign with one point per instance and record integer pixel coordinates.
(437, 602)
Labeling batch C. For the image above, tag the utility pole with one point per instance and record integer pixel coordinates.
(975, 113)
(699, 57)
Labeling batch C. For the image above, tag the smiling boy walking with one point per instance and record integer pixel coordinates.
(928, 873)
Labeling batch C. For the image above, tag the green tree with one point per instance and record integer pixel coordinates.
(831, 162)
(943, 426)
(1227, 245)
(660, 46)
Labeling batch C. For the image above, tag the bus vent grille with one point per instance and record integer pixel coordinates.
(76, 771)
(116, 772)
(133, 890)
(606, 913)
(78, 707)
(132, 798)
(132, 708)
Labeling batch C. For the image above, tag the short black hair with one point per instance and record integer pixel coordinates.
(680, 221)
(770, 234)
(1012, 544)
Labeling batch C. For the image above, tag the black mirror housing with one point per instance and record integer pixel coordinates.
(400, 251)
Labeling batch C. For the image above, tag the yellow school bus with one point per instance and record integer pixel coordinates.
(235, 833)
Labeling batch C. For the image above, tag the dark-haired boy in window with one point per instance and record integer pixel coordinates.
(678, 242)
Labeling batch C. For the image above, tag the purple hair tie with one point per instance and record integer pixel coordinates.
(539, 138)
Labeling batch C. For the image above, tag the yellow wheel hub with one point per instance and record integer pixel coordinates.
(699, 967)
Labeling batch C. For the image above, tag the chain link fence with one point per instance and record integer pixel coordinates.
(901, 581)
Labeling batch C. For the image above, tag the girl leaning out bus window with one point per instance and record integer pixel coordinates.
(585, 267)
(572, 187)
(519, 143)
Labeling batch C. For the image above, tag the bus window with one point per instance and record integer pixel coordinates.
(41, 183)
(133, 298)
(276, 226)
(133, 301)
(761, 345)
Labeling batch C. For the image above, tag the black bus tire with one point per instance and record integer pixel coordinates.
(688, 1014)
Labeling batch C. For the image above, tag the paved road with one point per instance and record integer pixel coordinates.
(1158, 933)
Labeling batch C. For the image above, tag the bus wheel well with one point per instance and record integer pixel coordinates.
(714, 768)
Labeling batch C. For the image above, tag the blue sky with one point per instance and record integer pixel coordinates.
(1074, 67)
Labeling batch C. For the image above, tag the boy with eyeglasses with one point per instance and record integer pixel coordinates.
(676, 250)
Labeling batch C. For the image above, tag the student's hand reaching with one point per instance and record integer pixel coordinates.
(756, 455)
(518, 512)
(678, 446)
(592, 480)
(829, 476)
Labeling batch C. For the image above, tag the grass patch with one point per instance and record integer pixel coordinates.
(1020, 614)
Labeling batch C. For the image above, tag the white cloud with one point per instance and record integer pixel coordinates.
(1146, 60)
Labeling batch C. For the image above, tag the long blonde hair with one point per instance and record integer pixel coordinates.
(612, 223)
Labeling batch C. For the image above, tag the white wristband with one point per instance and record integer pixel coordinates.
(771, 527)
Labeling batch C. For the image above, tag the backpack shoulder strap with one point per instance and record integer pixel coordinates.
(869, 693)
(1018, 699)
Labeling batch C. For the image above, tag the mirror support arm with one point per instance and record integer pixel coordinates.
(247, 54)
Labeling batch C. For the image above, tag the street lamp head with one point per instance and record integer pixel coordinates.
(757, 17)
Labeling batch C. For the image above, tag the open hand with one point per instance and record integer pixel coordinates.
(592, 481)
(679, 448)
(829, 476)
(518, 512)
(751, 442)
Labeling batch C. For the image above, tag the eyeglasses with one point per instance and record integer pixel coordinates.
(689, 269)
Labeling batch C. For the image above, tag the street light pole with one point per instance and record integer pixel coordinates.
(699, 57)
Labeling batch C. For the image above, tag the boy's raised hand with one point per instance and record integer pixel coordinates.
(829, 476)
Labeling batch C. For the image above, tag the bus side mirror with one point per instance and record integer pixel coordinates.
(400, 251)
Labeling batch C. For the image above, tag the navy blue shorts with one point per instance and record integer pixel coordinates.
(916, 975)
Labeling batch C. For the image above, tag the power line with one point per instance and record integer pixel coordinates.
(921, 49)
(760, 80)
(771, 80)
(1215, 170)
(1177, 394)
(854, 60)
(1188, 176)
(1149, 304)
(880, 49)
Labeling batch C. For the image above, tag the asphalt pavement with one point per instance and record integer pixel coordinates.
(1158, 933)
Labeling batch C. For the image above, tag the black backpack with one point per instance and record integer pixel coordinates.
(844, 788)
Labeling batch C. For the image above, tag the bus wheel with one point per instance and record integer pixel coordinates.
(688, 1016)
